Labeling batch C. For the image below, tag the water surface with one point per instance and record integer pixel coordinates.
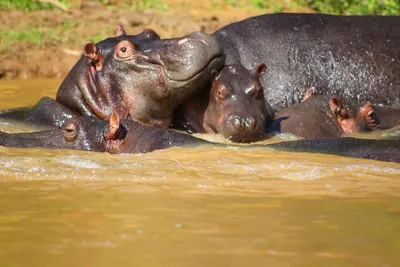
(191, 207)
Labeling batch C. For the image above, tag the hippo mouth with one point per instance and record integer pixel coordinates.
(240, 131)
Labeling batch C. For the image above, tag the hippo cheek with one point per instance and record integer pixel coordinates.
(249, 129)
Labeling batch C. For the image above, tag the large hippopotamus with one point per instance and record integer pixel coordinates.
(233, 106)
(139, 76)
(354, 57)
(127, 136)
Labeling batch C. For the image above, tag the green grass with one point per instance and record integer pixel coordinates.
(29, 5)
(157, 5)
(10, 37)
(354, 7)
(39, 36)
(264, 5)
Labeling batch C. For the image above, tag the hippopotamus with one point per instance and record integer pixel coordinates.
(353, 57)
(127, 136)
(321, 116)
(141, 77)
(233, 106)
(93, 134)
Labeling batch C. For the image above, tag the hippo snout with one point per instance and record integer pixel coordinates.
(243, 124)
(246, 129)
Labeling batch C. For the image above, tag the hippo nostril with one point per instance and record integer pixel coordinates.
(251, 123)
(237, 124)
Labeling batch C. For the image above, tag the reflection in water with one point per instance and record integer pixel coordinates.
(192, 207)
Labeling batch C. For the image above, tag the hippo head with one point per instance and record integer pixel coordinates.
(81, 133)
(144, 77)
(352, 121)
(237, 108)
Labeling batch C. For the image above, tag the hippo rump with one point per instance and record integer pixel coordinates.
(353, 57)
(127, 136)
(138, 76)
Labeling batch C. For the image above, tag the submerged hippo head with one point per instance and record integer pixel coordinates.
(92, 134)
(141, 76)
(236, 107)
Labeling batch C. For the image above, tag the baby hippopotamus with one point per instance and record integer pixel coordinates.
(90, 133)
(320, 116)
(234, 106)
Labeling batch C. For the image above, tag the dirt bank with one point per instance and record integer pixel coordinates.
(48, 43)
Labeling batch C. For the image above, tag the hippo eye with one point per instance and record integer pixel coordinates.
(70, 132)
(125, 50)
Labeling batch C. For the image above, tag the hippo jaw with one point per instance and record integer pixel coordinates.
(184, 58)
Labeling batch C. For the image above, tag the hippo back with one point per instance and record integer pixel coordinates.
(355, 57)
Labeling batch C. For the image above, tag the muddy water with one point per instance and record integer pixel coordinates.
(191, 207)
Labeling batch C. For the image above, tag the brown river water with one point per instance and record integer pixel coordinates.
(191, 207)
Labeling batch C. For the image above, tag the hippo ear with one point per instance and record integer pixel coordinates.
(335, 106)
(90, 51)
(113, 126)
(119, 30)
(339, 111)
(261, 69)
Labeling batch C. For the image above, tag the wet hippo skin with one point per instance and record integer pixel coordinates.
(353, 57)
(383, 150)
(321, 116)
(233, 106)
(136, 76)
(127, 136)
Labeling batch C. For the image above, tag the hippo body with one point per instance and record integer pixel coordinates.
(127, 136)
(354, 57)
(309, 119)
(320, 116)
(233, 106)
